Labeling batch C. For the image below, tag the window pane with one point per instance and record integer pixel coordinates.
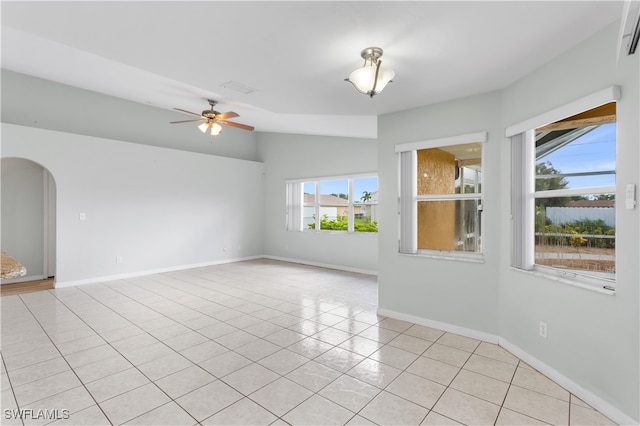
(451, 169)
(308, 217)
(436, 172)
(308, 209)
(471, 180)
(449, 225)
(365, 217)
(576, 158)
(334, 192)
(309, 189)
(334, 204)
(365, 190)
(577, 233)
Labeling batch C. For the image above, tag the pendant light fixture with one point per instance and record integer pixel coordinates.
(371, 78)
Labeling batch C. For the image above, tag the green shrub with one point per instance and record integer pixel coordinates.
(341, 223)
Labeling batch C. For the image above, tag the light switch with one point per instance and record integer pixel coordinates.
(82, 216)
(630, 196)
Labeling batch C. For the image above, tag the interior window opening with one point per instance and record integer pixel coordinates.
(449, 182)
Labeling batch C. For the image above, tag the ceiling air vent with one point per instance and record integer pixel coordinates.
(238, 87)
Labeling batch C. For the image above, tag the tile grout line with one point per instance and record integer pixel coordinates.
(12, 388)
(133, 366)
(345, 373)
(507, 392)
(152, 381)
(454, 377)
(169, 285)
(61, 355)
(171, 399)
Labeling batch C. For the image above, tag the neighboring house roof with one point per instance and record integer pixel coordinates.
(325, 199)
(592, 203)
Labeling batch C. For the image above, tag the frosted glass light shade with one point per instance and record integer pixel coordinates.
(203, 127)
(216, 129)
(363, 79)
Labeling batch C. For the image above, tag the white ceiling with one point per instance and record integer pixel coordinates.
(295, 54)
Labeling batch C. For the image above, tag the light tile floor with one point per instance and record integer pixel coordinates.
(258, 342)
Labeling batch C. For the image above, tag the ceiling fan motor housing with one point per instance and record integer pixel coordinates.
(209, 113)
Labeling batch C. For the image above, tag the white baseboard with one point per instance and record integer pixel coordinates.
(322, 265)
(94, 280)
(587, 396)
(467, 332)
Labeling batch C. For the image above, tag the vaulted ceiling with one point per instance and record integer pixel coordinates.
(293, 54)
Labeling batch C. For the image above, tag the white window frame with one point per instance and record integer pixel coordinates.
(523, 194)
(295, 203)
(409, 198)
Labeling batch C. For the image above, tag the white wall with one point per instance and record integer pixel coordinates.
(593, 338)
(157, 208)
(23, 213)
(300, 156)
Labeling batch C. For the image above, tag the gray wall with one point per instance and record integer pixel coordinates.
(34, 102)
(459, 293)
(23, 214)
(300, 156)
(593, 338)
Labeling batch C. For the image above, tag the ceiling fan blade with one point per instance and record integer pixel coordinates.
(226, 115)
(186, 121)
(238, 125)
(188, 112)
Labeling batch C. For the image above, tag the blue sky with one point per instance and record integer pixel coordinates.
(594, 151)
(340, 186)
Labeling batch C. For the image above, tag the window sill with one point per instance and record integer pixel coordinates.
(568, 281)
(445, 255)
(325, 232)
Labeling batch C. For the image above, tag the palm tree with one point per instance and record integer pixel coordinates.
(366, 196)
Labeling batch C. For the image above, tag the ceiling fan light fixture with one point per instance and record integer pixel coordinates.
(216, 129)
(203, 127)
(372, 77)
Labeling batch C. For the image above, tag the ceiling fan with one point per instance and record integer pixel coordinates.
(213, 120)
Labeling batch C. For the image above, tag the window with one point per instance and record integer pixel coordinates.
(348, 204)
(563, 192)
(441, 196)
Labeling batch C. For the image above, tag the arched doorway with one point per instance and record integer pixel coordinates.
(28, 217)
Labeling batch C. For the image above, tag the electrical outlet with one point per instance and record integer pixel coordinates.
(542, 329)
